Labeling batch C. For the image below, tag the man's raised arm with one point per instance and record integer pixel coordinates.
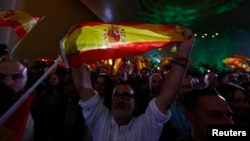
(172, 82)
(81, 77)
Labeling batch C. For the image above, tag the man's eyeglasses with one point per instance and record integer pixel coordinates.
(124, 95)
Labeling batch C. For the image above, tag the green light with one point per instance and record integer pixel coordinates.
(192, 14)
(183, 12)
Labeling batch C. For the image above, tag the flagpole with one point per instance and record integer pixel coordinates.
(18, 43)
(12, 109)
(64, 58)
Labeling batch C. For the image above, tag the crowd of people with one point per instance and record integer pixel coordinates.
(83, 105)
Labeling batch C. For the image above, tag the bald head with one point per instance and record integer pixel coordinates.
(13, 74)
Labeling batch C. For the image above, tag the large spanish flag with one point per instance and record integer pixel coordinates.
(21, 22)
(93, 41)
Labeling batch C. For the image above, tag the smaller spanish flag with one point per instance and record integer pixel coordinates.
(117, 65)
(20, 21)
(93, 41)
(237, 63)
(139, 63)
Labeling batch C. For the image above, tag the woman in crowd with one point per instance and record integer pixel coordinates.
(237, 99)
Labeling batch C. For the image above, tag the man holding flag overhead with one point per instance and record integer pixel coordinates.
(120, 124)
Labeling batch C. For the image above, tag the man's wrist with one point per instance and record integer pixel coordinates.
(182, 59)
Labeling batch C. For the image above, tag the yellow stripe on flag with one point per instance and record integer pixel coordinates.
(92, 41)
(20, 21)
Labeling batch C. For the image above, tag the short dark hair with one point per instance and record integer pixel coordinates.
(124, 83)
(191, 97)
(129, 84)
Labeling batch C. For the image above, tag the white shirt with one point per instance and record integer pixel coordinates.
(101, 123)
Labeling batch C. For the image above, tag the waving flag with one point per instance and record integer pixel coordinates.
(93, 41)
(21, 22)
(117, 65)
(237, 63)
(140, 63)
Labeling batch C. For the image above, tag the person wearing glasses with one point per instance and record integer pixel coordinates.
(119, 124)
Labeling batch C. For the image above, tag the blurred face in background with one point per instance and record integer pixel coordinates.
(53, 79)
(121, 76)
(211, 79)
(239, 104)
(155, 82)
(186, 85)
(100, 86)
(144, 74)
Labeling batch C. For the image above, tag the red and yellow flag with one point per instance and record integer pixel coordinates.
(21, 22)
(93, 41)
(140, 63)
(117, 65)
(237, 63)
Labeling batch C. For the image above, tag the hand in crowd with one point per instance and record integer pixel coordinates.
(184, 48)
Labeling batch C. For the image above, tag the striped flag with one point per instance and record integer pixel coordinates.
(237, 63)
(117, 65)
(139, 63)
(21, 22)
(93, 41)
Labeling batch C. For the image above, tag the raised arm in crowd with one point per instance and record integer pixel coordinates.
(119, 123)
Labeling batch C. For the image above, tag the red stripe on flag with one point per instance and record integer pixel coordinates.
(116, 51)
(18, 27)
(16, 124)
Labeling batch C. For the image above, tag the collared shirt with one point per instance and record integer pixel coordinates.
(101, 123)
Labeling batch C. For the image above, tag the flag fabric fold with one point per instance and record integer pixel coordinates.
(20, 21)
(93, 41)
(16, 123)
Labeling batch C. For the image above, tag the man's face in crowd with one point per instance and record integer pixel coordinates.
(155, 84)
(13, 74)
(211, 110)
(144, 74)
(186, 86)
(122, 101)
(121, 76)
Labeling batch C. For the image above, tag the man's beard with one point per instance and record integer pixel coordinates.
(7, 98)
(123, 108)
